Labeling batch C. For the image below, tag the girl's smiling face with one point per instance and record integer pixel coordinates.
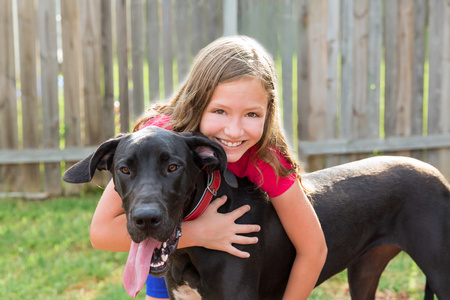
(235, 116)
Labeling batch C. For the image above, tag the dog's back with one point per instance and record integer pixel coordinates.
(361, 205)
(396, 201)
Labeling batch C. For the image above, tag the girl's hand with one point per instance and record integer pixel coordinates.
(214, 230)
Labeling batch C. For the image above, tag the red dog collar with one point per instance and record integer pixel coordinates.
(210, 191)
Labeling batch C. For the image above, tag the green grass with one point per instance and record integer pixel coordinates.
(45, 253)
(402, 279)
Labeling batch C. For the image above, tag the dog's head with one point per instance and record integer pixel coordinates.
(155, 173)
(153, 167)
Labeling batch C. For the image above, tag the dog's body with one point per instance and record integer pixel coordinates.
(370, 210)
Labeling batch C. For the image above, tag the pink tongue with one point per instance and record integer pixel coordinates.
(138, 265)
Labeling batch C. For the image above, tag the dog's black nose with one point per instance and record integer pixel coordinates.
(147, 218)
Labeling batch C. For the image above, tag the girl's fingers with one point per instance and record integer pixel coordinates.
(242, 240)
(222, 233)
(239, 212)
(245, 240)
(247, 228)
(236, 252)
(218, 202)
(235, 214)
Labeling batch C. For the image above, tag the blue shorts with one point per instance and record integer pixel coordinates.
(156, 287)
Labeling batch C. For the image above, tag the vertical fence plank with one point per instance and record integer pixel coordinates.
(108, 69)
(286, 68)
(91, 49)
(137, 52)
(122, 62)
(30, 106)
(271, 28)
(390, 57)
(153, 29)
(375, 53)
(363, 119)
(333, 31)
(49, 84)
(183, 53)
(317, 69)
(153, 48)
(302, 77)
(435, 77)
(347, 64)
(167, 46)
(197, 27)
(253, 15)
(71, 68)
(9, 137)
(361, 67)
(444, 154)
(420, 10)
(214, 23)
(230, 17)
(404, 81)
(243, 24)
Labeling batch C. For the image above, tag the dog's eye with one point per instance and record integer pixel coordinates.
(125, 170)
(172, 168)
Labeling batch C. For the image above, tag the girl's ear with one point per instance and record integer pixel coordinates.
(208, 153)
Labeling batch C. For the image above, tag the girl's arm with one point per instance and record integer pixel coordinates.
(303, 228)
(109, 223)
(212, 230)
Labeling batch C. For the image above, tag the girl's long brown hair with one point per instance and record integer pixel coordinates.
(224, 60)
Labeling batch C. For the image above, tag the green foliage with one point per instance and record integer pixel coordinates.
(46, 254)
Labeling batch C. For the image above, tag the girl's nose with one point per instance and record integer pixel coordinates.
(234, 129)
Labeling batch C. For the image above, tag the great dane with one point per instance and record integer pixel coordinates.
(370, 210)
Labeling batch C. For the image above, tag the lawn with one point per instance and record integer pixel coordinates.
(46, 254)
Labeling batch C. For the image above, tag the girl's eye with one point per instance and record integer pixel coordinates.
(125, 170)
(253, 115)
(172, 168)
(219, 111)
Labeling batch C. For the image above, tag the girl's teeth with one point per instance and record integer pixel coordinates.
(231, 144)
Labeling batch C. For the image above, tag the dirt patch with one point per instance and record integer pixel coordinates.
(389, 295)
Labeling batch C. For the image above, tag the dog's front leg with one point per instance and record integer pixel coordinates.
(224, 276)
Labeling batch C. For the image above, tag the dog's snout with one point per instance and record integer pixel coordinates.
(147, 218)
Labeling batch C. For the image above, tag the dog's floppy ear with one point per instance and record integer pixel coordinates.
(208, 153)
(101, 159)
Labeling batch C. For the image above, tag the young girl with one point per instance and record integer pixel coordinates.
(230, 96)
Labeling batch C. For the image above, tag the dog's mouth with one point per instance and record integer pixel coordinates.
(160, 261)
(149, 257)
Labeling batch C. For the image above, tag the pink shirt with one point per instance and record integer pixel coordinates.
(266, 177)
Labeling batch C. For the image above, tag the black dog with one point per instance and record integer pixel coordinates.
(370, 210)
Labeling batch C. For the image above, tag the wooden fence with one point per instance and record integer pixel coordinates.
(361, 77)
